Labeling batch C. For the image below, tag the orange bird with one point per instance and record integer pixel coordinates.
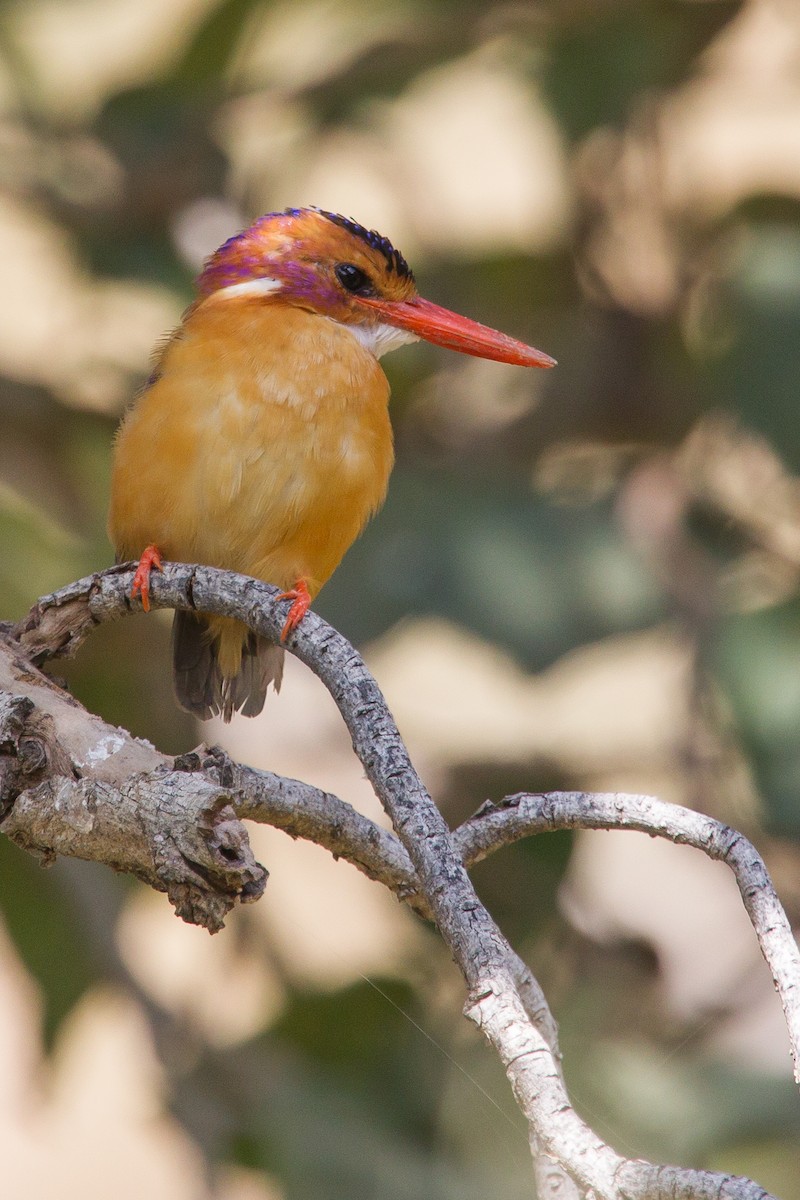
(262, 442)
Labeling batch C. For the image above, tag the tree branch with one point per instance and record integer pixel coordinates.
(424, 860)
(304, 811)
(515, 817)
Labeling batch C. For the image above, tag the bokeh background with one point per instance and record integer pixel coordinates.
(585, 578)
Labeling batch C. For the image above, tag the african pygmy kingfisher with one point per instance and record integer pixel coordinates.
(262, 442)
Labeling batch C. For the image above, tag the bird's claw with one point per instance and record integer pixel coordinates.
(150, 561)
(301, 602)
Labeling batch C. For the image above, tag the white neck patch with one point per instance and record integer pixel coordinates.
(379, 339)
(265, 285)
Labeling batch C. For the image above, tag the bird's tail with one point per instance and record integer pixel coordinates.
(220, 667)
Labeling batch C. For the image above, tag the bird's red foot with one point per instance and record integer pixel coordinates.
(150, 561)
(301, 598)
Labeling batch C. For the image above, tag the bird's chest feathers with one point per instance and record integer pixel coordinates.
(298, 410)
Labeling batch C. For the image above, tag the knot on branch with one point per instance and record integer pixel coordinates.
(29, 749)
(213, 761)
(202, 856)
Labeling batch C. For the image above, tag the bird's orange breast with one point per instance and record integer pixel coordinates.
(262, 446)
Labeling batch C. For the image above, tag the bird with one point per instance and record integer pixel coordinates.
(261, 443)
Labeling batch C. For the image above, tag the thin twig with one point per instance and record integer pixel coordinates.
(524, 814)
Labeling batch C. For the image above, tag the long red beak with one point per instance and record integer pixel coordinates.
(445, 328)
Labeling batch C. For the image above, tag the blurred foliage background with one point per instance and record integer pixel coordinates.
(584, 578)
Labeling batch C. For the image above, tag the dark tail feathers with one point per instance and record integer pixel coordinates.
(200, 686)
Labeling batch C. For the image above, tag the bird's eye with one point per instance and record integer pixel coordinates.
(353, 279)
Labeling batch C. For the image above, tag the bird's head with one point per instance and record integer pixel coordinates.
(330, 265)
